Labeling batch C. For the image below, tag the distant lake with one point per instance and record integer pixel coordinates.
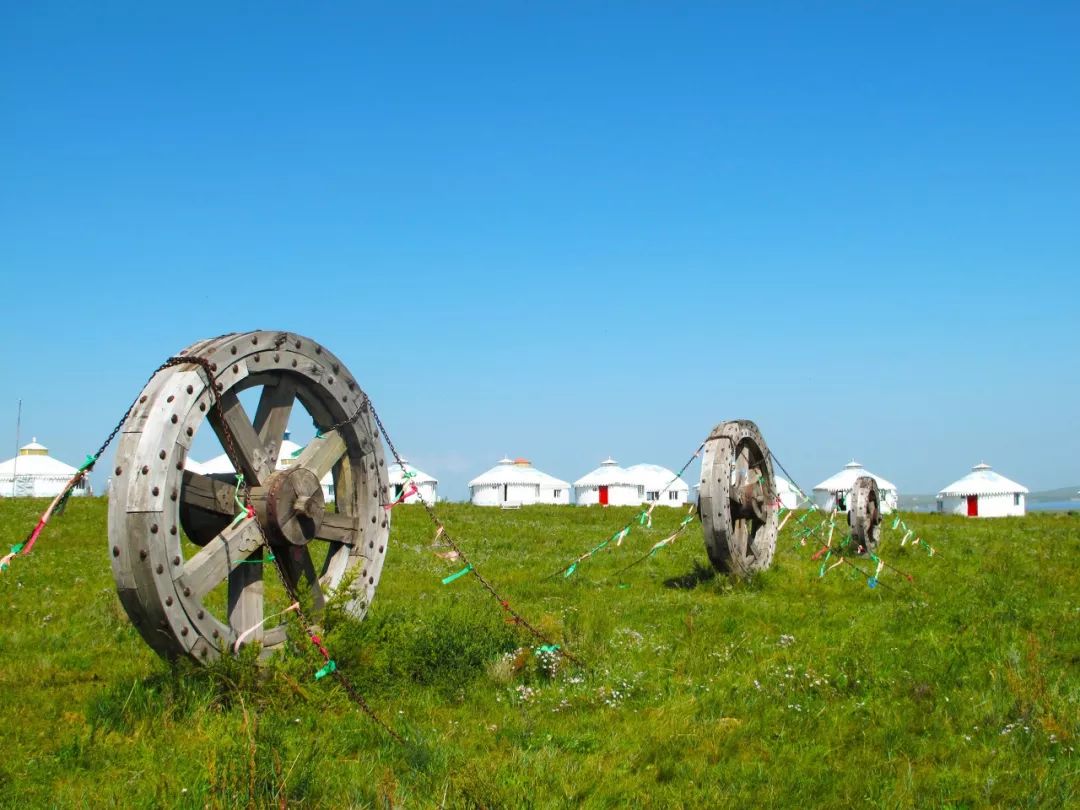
(1055, 506)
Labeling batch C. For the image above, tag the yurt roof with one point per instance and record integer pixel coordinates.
(655, 476)
(191, 465)
(982, 480)
(509, 471)
(221, 464)
(845, 479)
(783, 485)
(33, 459)
(608, 474)
(396, 476)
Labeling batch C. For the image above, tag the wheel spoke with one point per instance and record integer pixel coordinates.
(298, 564)
(340, 528)
(322, 453)
(230, 419)
(209, 567)
(246, 599)
(272, 415)
(207, 493)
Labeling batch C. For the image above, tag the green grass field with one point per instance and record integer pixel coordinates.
(786, 691)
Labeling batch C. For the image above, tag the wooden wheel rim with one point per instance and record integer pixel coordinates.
(162, 590)
(738, 499)
(864, 514)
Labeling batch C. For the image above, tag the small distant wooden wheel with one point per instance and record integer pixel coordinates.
(864, 514)
(738, 499)
(198, 598)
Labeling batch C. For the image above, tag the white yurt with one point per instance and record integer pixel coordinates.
(983, 493)
(516, 482)
(660, 485)
(426, 485)
(609, 485)
(286, 457)
(833, 492)
(786, 493)
(33, 473)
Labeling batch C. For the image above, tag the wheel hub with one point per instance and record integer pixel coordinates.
(294, 506)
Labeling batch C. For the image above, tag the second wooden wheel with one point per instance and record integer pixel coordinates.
(738, 499)
(864, 514)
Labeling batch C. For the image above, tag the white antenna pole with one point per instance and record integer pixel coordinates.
(15, 461)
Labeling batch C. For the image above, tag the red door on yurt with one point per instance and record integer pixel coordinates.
(603, 496)
(973, 505)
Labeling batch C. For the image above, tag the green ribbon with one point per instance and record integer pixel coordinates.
(326, 670)
(570, 570)
(643, 517)
(828, 554)
(15, 549)
(549, 648)
(86, 465)
(457, 575)
(270, 558)
(896, 522)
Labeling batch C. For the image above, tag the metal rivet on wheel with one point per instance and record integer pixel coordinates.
(145, 470)
(160, 568)
(117, 471)
(143, 553)
(168, 601)
(116, 551)
(174, 418)
(175, 560)
(153, 529)
(191, 389)
(183, 631)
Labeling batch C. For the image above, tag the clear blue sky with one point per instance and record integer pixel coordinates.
(588, 230)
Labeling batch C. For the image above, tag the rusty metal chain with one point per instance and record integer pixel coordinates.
(515, 617)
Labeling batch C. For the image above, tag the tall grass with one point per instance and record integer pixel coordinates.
(789, 690)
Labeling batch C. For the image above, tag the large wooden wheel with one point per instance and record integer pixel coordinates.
(864, 514)
(738, 499)
(197, 598)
